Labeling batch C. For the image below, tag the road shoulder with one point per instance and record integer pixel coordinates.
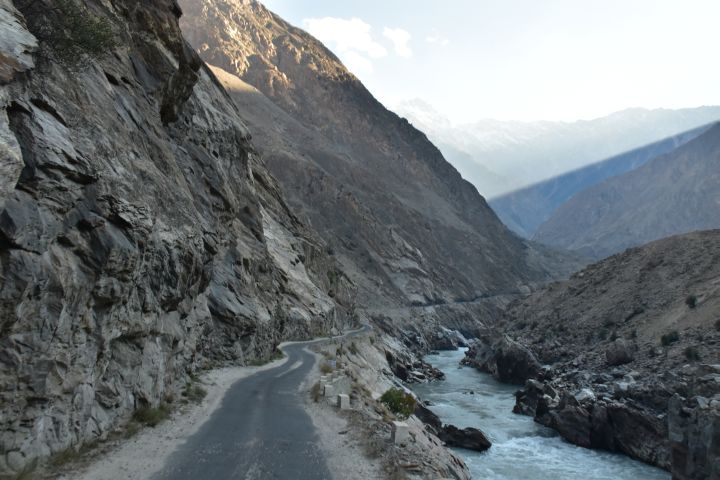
(145, 453)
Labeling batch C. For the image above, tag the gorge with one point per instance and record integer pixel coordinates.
(186, 185)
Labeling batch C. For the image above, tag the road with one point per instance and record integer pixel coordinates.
(260, 431)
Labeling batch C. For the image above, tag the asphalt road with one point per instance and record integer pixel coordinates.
(260, 431)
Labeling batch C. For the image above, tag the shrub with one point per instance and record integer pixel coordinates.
(692, 354)
(670, 338)
(194, 393)
(70, 29)
(399, 402)
(691, 301)
(152, 416)
(352, 348)
(325, 368)
(717, 324)
(315, 392)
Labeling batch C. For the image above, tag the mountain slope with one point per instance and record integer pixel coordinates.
(405, 225)
(525, 210)
(625, 354)
(525, 153)
(674, 193)
(141, 237)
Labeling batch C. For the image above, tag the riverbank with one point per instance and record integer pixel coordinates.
(521, 448)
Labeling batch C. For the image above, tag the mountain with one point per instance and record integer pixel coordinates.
(624, 355)
(402, 221)
(675, 193)
(512, 155)
(141, 236)
(523, 211)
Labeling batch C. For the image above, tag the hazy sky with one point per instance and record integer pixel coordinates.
(523, 59)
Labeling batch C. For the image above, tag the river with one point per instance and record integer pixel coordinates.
(522, 449)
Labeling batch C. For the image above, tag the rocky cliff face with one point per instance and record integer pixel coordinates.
(407, 228)
(607, 351)
(141, 237)
(672, 194)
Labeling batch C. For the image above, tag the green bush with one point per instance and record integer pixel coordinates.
(352, 348)
(691, 301)
(717, 324)
(399, 402)
(669, 338)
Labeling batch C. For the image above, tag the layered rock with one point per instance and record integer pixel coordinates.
(694, 426)
(141, 236)
(606, 351)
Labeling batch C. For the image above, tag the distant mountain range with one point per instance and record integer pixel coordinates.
(674, 193)
(499, 157)
(527, 209)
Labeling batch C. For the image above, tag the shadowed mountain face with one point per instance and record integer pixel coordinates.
(674, 193)
(402, 221)
(527, 209)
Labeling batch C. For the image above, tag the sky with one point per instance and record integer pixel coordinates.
(523, 59)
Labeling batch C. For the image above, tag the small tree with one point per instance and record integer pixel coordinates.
(691, 301)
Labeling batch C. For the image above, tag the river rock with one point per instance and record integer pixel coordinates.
(468, 438)
(505, 359)
(428, 417)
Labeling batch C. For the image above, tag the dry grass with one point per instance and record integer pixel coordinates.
(315, 392)
(152, 416)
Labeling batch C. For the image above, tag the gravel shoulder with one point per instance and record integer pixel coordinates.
(144, 454)
(339, 441)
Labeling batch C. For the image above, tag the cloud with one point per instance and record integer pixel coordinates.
(437, 39)
(400, 39)
(357, 63)
(344, 35)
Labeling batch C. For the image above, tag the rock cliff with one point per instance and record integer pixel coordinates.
(606, 352)
(407, 228)
(141, 236)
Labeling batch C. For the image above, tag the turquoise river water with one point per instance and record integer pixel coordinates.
(522, 449)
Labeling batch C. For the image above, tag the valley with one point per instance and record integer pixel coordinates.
(221, 255)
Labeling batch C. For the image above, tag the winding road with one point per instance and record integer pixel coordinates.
(260, 432)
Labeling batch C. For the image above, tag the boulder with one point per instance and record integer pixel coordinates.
(468, 438)
(428, 417)
(505, 359)
(619, 352)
